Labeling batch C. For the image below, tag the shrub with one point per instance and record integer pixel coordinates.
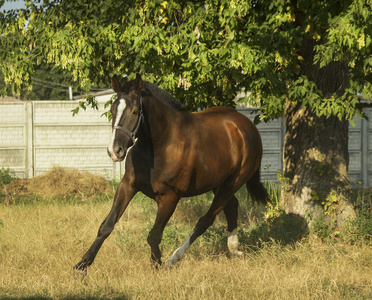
(6, 176)
(359, 230)
(323, 228)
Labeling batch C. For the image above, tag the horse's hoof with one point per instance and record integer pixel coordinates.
(80, 269)
(236, 254)
(169, 264)
(156, 265)
(80, 273)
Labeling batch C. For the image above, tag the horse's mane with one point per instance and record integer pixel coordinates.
(164, 96)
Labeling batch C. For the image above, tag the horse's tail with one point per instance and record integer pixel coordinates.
(257, 190)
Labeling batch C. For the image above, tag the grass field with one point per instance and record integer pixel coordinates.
(40, 241)
(39, 244)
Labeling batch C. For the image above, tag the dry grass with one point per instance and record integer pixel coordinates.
(39, 244)
(57, 183)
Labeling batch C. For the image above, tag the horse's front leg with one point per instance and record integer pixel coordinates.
(166, 206)
(123, 195)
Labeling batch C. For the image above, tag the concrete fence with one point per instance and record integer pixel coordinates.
(37, 135)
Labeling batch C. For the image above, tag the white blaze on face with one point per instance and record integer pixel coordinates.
(119, 113)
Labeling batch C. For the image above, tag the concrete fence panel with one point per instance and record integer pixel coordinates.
(37, 135)
(16, 137)
(60, 139)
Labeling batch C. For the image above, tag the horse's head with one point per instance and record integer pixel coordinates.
(126, 117)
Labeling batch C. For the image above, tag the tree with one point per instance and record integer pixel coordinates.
(305, 60)
(48, 84)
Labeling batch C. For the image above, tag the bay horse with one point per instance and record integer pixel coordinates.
(170, 153)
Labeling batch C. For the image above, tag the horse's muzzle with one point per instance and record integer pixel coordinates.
(117, 154)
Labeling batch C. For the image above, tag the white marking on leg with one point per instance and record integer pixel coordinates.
(233, 243)
(119, 113)
(178, 254)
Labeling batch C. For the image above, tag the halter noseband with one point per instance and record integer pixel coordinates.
(132, 135)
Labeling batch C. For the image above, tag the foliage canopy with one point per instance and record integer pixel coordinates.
(203, 52)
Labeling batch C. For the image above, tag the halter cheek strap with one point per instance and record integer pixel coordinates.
(132, 134)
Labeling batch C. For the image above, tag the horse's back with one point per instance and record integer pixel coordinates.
(222, 112)
(218, 117)
(215, 109)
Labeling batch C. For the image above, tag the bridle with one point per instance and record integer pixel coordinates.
(132, 134)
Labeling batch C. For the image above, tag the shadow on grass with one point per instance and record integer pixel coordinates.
(285, 229)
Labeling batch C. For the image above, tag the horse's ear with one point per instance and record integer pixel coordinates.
(115, 84)
(139, 82)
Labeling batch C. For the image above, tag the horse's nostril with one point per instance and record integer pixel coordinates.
(120, 152)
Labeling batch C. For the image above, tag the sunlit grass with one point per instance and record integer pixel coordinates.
(42, 238)
(40, 243)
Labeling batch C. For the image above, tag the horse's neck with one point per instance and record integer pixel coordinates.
(161, 117)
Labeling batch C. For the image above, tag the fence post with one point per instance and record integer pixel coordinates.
(70, 93)
(365, 153)
(29, 139)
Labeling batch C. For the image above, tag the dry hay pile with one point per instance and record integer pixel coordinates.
(57, 183)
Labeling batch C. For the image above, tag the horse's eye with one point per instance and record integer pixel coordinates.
(135, 112)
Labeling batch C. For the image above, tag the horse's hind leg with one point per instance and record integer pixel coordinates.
(222, 197)
(231, 213)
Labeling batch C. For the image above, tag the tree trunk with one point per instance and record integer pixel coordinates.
(316, 162)
(316, 156)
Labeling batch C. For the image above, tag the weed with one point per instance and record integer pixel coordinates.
(113, 183)
(361, 197)
(174, 236)
(323, 228)
(215, 239)
(7, 176)
(359, 230)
